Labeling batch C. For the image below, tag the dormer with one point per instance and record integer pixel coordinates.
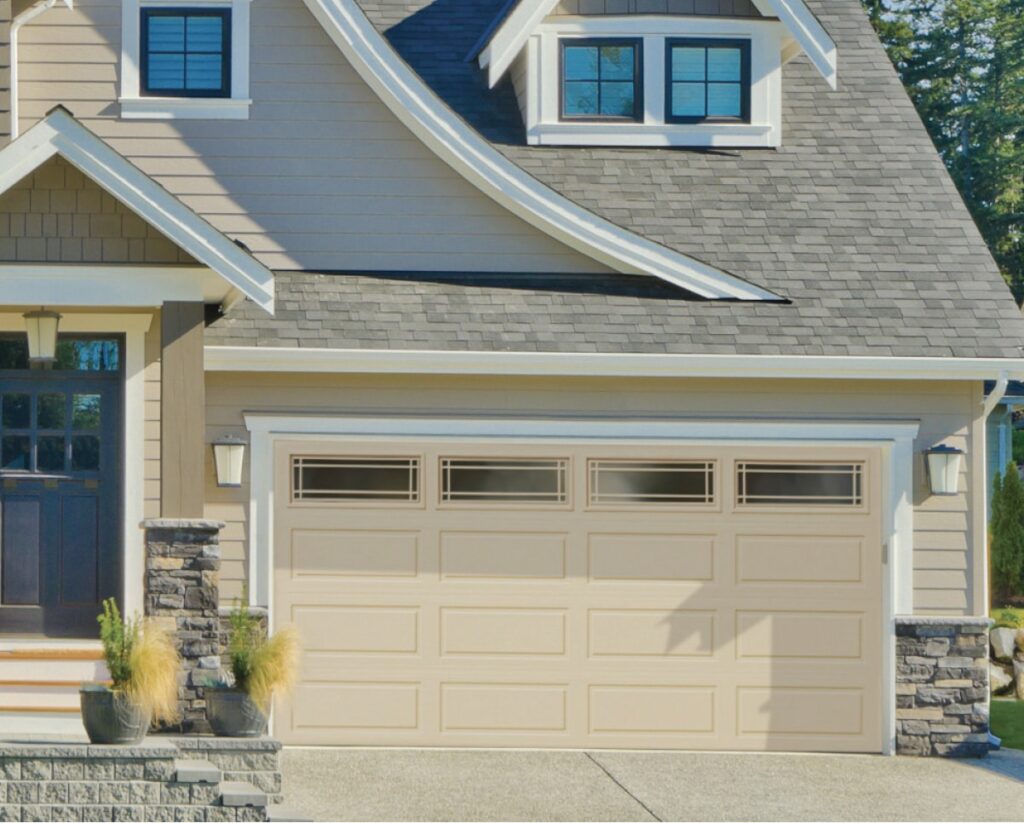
(686, 73)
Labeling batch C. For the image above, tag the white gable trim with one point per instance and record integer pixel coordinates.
(469, 154)
(59, 133)
(510, 37)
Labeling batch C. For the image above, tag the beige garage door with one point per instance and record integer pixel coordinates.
(458, 593)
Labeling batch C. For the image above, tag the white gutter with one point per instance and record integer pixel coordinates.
(20, 20)
(375, 361)
(997, 394)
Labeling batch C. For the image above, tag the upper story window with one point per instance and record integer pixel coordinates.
(601, 80)
(185, 60)
(186, 52)
(707, 81)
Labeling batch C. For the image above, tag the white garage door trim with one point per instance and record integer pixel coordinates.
(895, 439)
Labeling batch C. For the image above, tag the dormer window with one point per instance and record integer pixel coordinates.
(186, 52)
(601, 80)
(707, 81)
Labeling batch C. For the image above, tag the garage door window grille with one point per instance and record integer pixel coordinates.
(800, 484)
(651, 483)
(508, 481)
(377, 479)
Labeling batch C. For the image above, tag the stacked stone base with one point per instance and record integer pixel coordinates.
(942, 686)
(78, 781)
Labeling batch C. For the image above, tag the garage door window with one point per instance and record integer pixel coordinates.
(504, 481)
(393, 479)
(799, 484)
(658, 483)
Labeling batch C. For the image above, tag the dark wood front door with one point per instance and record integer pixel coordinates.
(60, 490)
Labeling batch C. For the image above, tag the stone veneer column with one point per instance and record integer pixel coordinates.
(942, 694)
(182, 591)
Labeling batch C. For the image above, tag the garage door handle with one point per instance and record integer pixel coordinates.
(885, 554)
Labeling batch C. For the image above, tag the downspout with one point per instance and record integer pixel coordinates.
(26, 16)
(988, 405)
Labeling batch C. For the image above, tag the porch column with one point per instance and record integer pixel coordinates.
(182, 411)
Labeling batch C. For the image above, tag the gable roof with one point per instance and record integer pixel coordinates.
(465, 150)
(59, 133)
(518, 22)
(854, 219)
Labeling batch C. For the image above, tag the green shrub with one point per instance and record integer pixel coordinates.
(1008, 619)
(261, 665)
(1006, 543)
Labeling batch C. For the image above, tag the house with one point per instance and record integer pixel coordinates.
(587, 355)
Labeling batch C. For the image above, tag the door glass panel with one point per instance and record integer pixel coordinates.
(85, 453)
(17, 411)
(50, 411)
(15, 450)
(13, 353)
(50, 453)
(85, 411)
(88, 355)
(504, 481)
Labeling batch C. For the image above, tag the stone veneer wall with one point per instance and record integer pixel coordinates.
(942, 700)
(182, 580)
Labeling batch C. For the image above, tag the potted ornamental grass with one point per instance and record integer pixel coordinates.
(143, 665)
(260, 667)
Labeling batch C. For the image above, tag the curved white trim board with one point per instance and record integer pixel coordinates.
(469, 154)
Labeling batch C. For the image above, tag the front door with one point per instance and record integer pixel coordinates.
(60, 487)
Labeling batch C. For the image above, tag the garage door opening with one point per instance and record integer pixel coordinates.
(580, 595)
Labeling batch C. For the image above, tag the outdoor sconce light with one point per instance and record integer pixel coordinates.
(944, 468)
(228, 456)
(41, 327)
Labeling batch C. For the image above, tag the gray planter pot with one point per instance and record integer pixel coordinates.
(110, 718)
(231, 713)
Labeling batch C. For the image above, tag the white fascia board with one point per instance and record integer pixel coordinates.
(551, 364)
(59, 133)
(476, 160)
(510, 37)
(809, 33)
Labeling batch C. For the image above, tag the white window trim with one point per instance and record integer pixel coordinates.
(543, 83)
(135, 106)
(894, 438)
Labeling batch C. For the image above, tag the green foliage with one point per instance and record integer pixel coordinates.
(261, 665)
(962, 62)
(119, 638)
(1009, 619)
(1008, 722)
(1006, 540)
(1018, 446)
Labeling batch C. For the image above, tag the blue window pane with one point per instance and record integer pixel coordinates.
(166, 71)
(617, 63)
(166, 33)
(688, 63)
(617, 99)
(580, 99)
(206, 34)
(724, 64)
(204, 71)
(580, 63)
(724, 100)
(688, 100)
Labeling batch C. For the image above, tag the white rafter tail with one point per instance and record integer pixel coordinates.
(476, 160)
(808, 32)
(59, 133)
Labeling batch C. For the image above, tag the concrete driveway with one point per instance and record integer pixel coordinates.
(397, 784)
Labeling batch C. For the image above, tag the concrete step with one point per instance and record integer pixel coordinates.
(280, 813)
(239, 793)
(196, 771)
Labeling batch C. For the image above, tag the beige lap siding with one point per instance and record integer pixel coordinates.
(151, 431)
(5, 71)
(947, 572)
(322, 171)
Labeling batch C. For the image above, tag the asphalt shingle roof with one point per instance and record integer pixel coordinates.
(854, 219)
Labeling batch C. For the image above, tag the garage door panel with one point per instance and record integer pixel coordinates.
(651, 633)
(501, 555)
(341, 553)
(504, 631)
(502, 624)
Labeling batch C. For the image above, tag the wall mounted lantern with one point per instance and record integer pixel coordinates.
(41, 327)
(944, 468)
(228, 457)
